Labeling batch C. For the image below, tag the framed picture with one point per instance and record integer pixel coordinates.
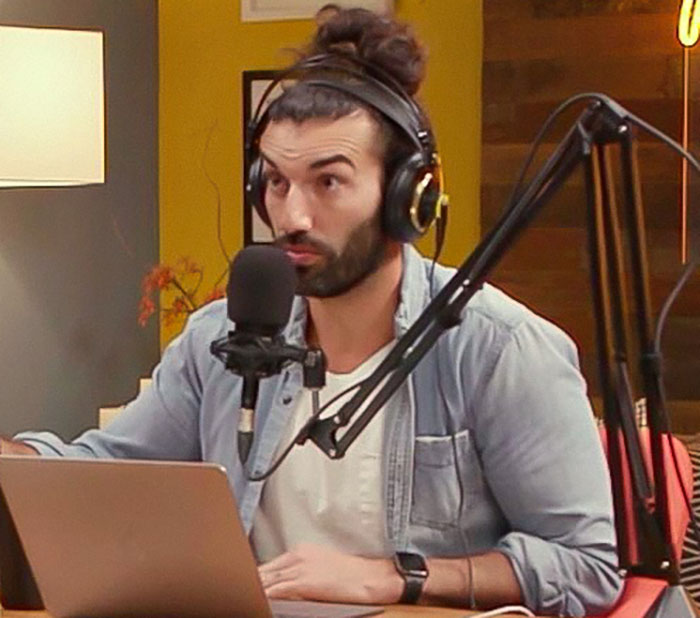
(270, 10)
(254, 85)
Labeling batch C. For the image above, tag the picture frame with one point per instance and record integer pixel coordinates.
(254, 83)
(273, 10)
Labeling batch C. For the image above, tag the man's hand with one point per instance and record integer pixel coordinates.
(321, 574)
(10, 447)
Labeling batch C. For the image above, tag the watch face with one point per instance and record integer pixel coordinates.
(411, 563)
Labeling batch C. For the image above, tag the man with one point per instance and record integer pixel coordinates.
(485, 466)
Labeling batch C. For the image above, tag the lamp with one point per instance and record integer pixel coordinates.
(688, 34)
(51, 107)
(689, 23)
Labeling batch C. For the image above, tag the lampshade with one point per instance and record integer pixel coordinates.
(51, 107)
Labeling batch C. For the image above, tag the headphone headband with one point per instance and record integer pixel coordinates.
(391, 100)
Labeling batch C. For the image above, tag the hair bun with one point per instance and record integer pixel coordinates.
(378, 40)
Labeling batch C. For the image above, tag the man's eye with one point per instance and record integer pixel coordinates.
(329, 181)
(272, 180)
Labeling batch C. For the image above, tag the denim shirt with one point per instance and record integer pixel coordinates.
(494, 446)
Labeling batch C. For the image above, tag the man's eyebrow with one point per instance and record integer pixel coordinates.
(339, 158)
(267, 160)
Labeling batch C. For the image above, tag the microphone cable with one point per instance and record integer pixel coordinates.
(317, 411)
(500, 611)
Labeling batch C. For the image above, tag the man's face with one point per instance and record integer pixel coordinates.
(323, 193)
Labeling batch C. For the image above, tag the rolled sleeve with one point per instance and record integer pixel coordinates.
(545, 465)
(559, 580)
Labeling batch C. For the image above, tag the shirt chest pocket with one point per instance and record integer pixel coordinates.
(446, 478)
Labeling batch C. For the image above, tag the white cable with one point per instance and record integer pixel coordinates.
(506, 609)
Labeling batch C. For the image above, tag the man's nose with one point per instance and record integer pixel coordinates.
(295, 214)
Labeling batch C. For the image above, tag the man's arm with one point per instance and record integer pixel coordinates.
(544, 463)
(320, 573)
(489, 582)
(12, 447)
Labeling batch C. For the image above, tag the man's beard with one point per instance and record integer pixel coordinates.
(336, 273)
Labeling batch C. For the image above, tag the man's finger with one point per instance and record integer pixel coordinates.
(285, 590)
(279, 576)
(282, 561)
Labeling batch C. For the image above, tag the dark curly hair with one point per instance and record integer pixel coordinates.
(380, 42)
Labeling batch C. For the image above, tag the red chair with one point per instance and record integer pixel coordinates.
(639, 593)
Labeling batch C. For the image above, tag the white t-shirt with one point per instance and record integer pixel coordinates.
(314, 499)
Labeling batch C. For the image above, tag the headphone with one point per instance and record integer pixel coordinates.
(413, 194)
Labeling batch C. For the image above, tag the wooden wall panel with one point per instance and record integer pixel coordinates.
(537, 53)
(580, 36)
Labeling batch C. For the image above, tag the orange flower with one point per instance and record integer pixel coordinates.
(146, 308)
(179, 305)
(158, 278)
(163, 276)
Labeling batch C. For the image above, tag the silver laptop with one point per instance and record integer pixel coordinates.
(121, 539)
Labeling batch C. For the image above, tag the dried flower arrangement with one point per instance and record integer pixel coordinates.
(184, 280)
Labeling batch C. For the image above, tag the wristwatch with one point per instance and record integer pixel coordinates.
(414, 571)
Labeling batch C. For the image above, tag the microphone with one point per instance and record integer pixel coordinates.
(260, 292)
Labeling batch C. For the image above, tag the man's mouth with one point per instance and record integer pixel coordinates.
(301, 255)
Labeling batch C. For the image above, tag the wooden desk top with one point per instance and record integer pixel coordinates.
(393, 611)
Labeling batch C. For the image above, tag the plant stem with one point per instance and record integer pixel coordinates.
(188, 297)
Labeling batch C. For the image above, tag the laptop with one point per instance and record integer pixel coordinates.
(17, 585)
(125, 538)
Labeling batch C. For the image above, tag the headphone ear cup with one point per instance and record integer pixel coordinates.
(255, 190)
(403, 220)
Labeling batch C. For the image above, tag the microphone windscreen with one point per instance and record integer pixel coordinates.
(261, 289)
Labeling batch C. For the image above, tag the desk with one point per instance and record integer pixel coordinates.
(394, 611)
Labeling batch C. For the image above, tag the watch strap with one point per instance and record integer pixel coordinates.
(414, 572)
(412, 588)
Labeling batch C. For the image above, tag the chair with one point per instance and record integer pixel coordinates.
(640, 593)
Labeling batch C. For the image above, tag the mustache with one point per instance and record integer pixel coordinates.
(302, 239)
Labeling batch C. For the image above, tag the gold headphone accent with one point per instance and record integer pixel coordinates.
(415, 203)
(443, 201)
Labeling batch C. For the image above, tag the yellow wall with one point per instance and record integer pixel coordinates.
(203, 48)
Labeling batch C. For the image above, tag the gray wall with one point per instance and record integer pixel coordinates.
(71, 259)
